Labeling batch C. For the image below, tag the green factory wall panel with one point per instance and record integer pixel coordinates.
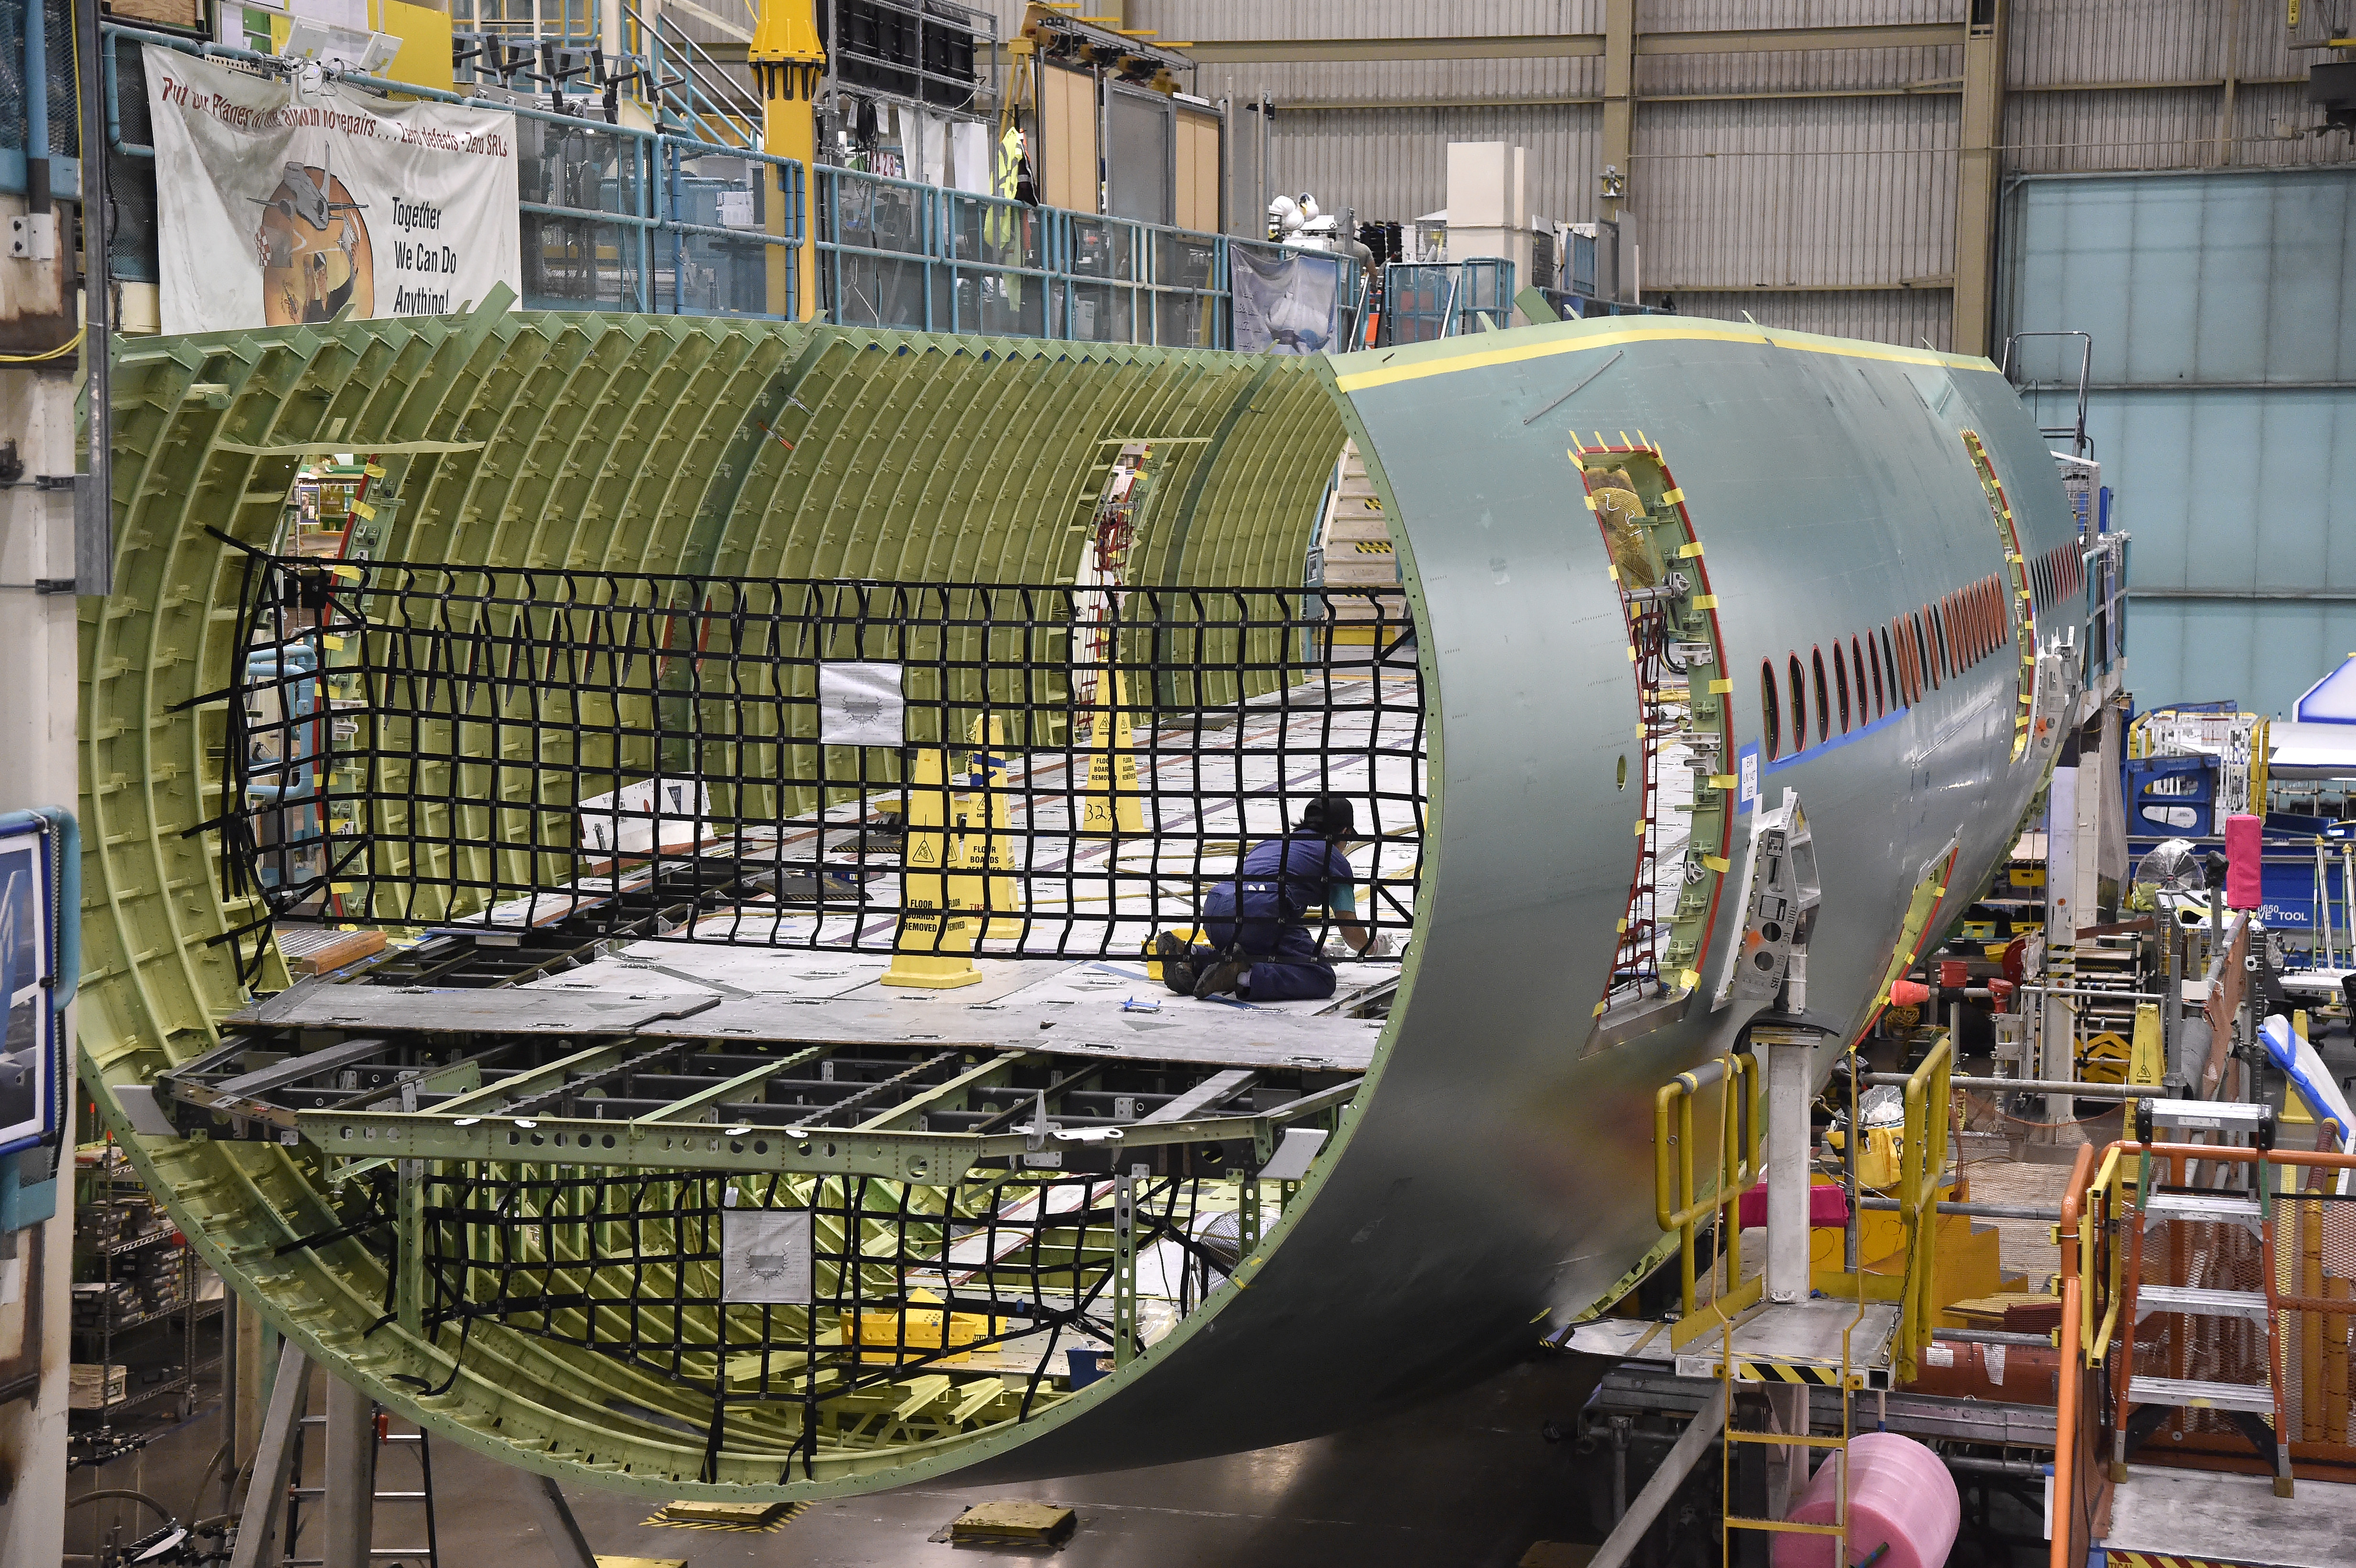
(2222, 307)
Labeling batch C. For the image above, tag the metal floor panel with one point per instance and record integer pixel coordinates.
(2206, 1517)
(1179, 1030)
(513, 1011)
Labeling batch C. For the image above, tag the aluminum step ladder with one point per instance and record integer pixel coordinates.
(426, 1556)
(2252, 1124)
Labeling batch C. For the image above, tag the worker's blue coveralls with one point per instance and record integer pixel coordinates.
(1262, 910)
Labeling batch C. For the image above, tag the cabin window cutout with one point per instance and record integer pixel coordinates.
(1823, 695)
(2018, 621)
(1771, 711)
(1799, 705)
(1840, 683)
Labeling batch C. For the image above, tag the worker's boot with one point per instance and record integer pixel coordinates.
(1176, 957)
(1219, 976)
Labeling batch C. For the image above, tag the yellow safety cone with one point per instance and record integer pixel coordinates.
(985, 817)
(2145, 1063)
(934, 946)
(1110, 799)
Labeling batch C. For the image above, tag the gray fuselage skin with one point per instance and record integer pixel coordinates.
(1494, 1175)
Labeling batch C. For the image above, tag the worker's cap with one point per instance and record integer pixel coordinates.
(1329, 815)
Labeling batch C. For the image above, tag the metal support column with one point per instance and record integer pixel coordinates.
(1691, 1445)
(1124, 1267)
(408, 1241)
(273, 1463)
(1977, 171)
(350, 1479)
(94, 489)
(1619, 98)
(557, 1525)
(1790, 1067)
(1787, 1464)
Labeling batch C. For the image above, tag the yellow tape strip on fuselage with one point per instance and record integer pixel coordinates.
(1649, 332)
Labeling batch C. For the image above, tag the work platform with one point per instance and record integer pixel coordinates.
(1799, 1342)
(2170, 1518)
(1113, 1009)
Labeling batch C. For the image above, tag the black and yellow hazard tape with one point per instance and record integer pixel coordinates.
(754, 1519)
(1765, 1371)
(2114, 1557)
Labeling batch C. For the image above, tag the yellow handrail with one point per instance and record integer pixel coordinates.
(1674, 1203)
(1922, 1165)
(2069, 1548)
(2108, 1179)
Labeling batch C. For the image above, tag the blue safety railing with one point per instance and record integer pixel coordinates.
(1428, 300)
(616, 218)
(895, 254)
(612, 217)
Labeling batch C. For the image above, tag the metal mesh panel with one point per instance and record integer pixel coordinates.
(2315, 1256)
(811, 765)
(65, 128)
(927, 1310)
(12, 73)
(130, 181)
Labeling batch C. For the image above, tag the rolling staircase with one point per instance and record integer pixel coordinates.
(2258, 1408)
(1355, 552)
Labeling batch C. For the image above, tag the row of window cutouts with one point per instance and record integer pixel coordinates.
(1889, 666)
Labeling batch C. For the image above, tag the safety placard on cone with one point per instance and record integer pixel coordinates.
(283, 200)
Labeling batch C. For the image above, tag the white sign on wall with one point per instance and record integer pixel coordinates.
(276, 204)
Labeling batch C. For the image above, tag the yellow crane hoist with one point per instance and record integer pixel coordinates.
(788, 63)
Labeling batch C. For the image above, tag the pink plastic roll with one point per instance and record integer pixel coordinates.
(1898, 1493)
(2241, 850)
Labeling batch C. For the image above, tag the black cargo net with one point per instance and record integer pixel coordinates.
(1020, 771)
(804, 1317)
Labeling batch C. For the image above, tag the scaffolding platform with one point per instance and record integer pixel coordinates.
(1797, 1343)
(1802, 1343)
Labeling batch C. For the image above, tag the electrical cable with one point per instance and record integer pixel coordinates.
(72, 344)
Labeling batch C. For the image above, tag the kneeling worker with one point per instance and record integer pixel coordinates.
(1260, 945)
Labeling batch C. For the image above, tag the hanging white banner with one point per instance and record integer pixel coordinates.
(277, 205)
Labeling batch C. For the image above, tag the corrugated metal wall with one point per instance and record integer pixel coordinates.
(2222, 307)
(1814, 190)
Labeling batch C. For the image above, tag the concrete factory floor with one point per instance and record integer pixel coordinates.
(1471, 1480)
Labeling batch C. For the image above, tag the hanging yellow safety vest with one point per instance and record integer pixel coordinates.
(999, 229)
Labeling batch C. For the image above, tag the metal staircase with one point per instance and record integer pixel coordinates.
(2157, 1207)
(694, 95)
